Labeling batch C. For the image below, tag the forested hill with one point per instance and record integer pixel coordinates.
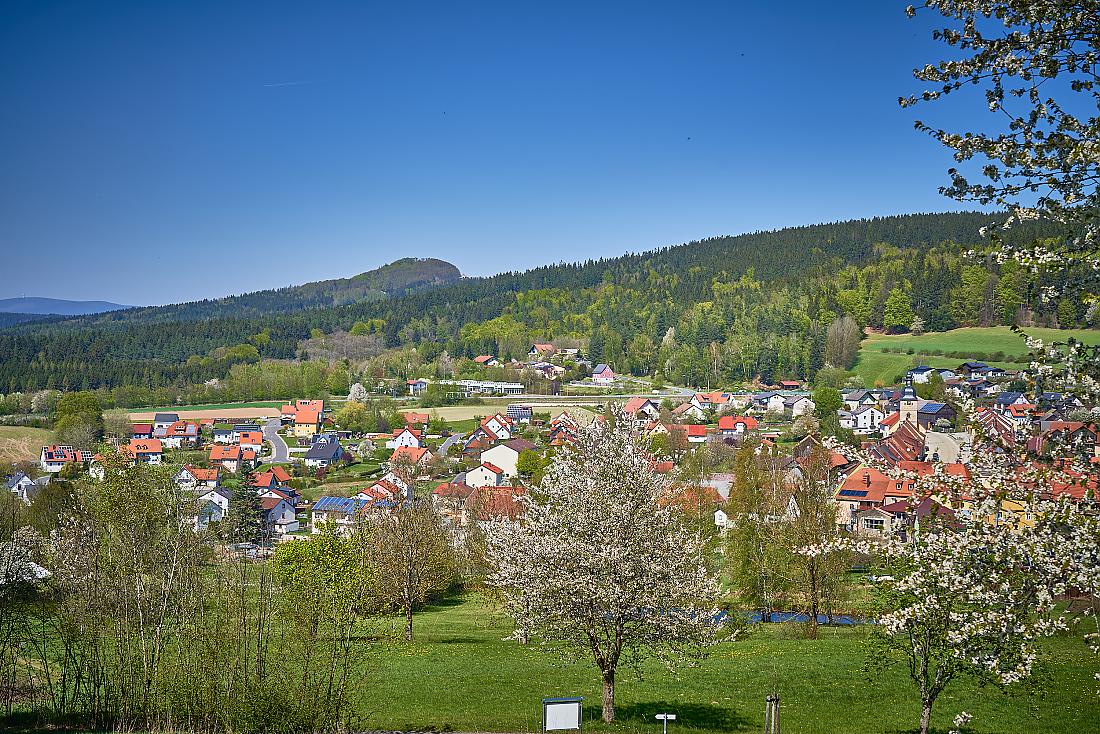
(765, 299)
(398, 278)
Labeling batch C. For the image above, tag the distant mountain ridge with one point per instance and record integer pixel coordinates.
(398, 278)
(58, 306)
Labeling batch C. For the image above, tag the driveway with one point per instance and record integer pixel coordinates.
(281, 452)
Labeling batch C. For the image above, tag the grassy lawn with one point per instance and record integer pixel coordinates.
(460, 675)
(877, 366)
(21, 443)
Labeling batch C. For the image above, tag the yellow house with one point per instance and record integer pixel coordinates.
(308, 417)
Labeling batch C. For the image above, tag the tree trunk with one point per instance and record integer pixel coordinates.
(813, 600)
(925, 716)
(409, 622)
(609, 696)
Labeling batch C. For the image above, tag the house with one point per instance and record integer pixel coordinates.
(875, 521)
(798, 405)
(500, 426)
(790, 385)
(192, 478)
(487, 360)
(141, 430)
(224, 436)
(252, 440)
(413, 456)
(25, 488)
(689, 411)
(710, 400)
(336, 513)
(506, 455)
(417, 387)
(775, 403)
(935, 415)
(1005, 400)
(274, 478)
(232, 458)
(865, 488)
(180, 434)
(856, 398)
(213, 506)
(486, 504)
(163, 420)
(519, 413)
(603, 374)
(864, 420)
(729, 425)
(405, 437)
(485, 475)
(418, 421)
(1021, 415)
(279, 515)
(541, 351)
(1064, 434)
(641, 408)
(308, 417)
(396, 479)
(53, 459)
(324, 451)
(689, 432)
(449, 500)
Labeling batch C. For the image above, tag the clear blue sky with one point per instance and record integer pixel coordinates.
(156, 152)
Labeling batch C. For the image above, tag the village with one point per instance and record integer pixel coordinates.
(311, 474)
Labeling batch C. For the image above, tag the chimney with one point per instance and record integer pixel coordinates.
(867, 478)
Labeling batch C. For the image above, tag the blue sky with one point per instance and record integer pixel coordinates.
(159, 152)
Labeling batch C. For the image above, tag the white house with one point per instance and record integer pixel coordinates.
(213, 506)
(190, 477)
(499, 425)
(506, 455)
(163, 420)
(776, 404)
(864, 420)
(54, 458)
(404, 437)
(798, 405)
(486, 475)
(279, 515)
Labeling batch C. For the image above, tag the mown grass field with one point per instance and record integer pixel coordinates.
(20, 443)
(210, 406)
(460, 675)
(876, 366)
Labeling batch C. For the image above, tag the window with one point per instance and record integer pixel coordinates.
(874, 523)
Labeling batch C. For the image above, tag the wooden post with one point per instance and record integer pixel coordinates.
(771, 714)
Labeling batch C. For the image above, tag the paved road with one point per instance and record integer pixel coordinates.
(451, 440)
(281, 451)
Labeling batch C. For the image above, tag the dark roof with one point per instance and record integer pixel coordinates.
(165, 418)
(325, 447)
(931, 408)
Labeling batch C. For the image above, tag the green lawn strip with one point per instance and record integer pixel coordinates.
(460, 674)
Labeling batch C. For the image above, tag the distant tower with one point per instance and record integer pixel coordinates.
(908, 402)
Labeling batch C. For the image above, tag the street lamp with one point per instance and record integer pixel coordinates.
(665, 718)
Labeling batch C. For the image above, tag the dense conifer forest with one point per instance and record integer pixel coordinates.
(723, 308)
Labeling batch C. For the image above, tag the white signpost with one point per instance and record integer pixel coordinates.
(560, 714)
(665, 718)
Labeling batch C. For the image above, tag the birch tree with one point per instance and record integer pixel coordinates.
(599, 569)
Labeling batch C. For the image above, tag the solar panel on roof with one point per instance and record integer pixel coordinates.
(853, 493)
